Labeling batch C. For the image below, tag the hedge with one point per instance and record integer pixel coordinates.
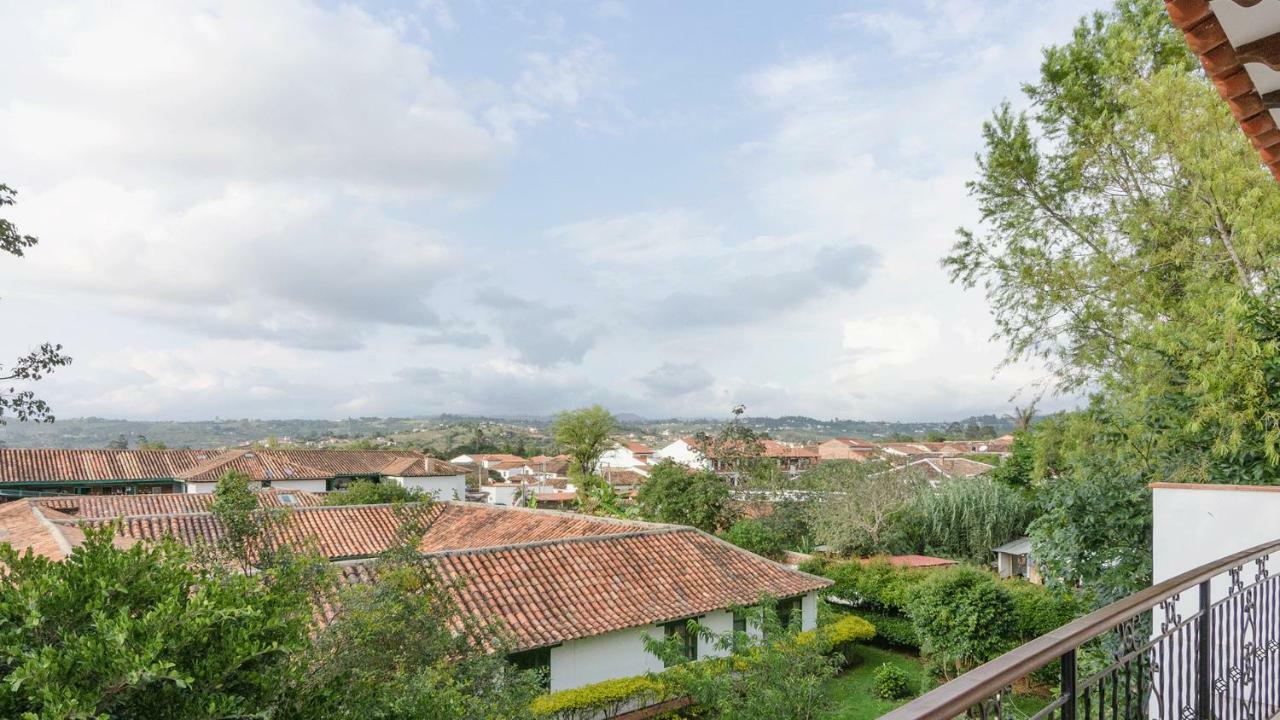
(893, 630)
(608, 697)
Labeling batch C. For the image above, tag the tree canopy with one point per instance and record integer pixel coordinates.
(585, 434)
(1130, 240)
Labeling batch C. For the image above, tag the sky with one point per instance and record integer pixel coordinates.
(331, 209)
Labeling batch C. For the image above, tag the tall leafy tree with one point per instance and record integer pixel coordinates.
(676, 494)
(23, 404)
(585, 434)
(1130, 240)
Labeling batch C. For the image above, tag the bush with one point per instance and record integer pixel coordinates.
(964, 616)
(893, 630)
(844, 634)
(756, 536)
(608, 697)
(365, 492)
(877, 585)
(891, 682)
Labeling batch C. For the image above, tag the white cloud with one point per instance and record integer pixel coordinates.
(246, 90)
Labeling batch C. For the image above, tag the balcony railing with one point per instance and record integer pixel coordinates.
(1204, 644)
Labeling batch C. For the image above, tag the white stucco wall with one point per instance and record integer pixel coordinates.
(622, 653)
(683, 453)
(305, 485)
(442, 487)
(501, 494)
(1197, 524)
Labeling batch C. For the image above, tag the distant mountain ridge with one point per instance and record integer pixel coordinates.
(94, 432)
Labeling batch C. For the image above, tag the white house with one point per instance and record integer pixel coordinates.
(626, 454)
(510, 567)
(684, 451)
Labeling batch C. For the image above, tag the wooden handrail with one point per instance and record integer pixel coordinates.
(985, 681)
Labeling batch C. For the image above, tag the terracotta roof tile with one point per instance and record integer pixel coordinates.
(548, 593)
(103, 506)
(1207, 37)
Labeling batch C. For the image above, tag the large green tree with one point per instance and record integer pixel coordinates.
(158, 631)
(1130, 240)
(676, 494)
(585, 434)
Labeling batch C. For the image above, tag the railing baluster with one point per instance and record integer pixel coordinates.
(1204, 676)
(1068, 684)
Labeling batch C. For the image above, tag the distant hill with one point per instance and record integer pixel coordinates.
(443, 432)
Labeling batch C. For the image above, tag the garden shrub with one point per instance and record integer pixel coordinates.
(607, 697)
(891, 682)
(964, 616)
(844, 634)
(893, 630)
(757, 536)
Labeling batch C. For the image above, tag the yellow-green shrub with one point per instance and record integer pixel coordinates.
(849, 629)
(844, 634)
(608, 697)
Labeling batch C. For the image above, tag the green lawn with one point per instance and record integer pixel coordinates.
(851, 690)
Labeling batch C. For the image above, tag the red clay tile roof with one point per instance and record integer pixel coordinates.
(637, 448)
(43, 465)
(1244, 34)
(29, 527)
(909, 560)
(623, 476)
(103, 506)
(352, 531)
(546, 577)
(256, 464)
(553, 592)
(50, 465)
(950, 467)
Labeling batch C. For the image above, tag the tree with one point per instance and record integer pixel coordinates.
(23, 404)
(120, 443)
(365, 492)
(156, 631)
(585, 436)
(963, 519)
(1129, 241)
(675, 494)
(756, 536)
(1022, 417)
(143, 632)
(963, 618)
(738, 452)
(782, 678)
(145, 444)
(1018, 469)
(855, 506)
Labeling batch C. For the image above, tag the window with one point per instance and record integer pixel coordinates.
(740, 621)
(688, 640)
(788, 609)
(288, 500)
(539, 659)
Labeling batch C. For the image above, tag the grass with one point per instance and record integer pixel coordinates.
(850, 692)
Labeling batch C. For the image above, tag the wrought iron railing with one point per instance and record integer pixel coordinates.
(1204, 644)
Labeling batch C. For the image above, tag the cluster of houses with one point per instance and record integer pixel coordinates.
(576, 594)
(505, 479)
(512, 559)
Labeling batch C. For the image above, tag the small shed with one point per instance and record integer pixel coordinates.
(1013, 559)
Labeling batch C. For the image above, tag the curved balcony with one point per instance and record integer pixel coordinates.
(1203, 644)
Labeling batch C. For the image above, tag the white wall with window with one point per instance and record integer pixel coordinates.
(622, 653)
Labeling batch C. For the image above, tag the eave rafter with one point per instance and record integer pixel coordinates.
(1224, 65)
